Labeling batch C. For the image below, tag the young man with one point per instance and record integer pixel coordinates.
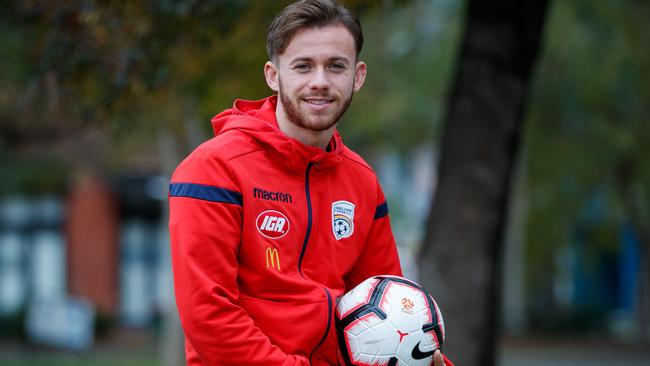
(274, 218)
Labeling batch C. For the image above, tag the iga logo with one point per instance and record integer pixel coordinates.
(272, 224)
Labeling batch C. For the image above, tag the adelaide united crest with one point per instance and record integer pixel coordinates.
(342, 219)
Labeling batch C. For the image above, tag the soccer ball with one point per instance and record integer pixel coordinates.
(388, 320)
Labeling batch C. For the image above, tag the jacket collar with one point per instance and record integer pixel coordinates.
(257, 120)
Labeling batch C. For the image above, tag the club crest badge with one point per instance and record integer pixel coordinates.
(342, 219)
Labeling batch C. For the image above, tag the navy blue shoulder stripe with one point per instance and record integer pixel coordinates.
(381, 211)
(207, 193)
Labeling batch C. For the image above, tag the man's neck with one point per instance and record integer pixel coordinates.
(319, 139)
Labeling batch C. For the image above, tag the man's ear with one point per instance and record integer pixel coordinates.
(271, 76)
(359, 75)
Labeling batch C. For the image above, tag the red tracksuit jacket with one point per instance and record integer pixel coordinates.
(266, 233)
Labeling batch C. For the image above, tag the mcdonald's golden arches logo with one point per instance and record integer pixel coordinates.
(272, 258)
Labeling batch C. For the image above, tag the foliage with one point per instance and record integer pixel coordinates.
(128, 69)
(588, 130)
(127, 65)
(410, 53)
(36, 175)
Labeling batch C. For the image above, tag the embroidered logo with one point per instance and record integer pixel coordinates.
(342, 219)
(272, 224)
(272, 258)
(263, 194)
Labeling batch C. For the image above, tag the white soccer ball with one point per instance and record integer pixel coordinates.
(388, 320)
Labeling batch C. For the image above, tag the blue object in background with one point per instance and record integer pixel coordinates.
(66, 322)
(628, 268)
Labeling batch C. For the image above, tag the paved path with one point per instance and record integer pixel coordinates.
(572, 354)
(512, 353)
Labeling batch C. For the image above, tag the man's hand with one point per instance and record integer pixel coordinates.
(437, 359)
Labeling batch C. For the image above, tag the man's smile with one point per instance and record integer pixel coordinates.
(318, 101)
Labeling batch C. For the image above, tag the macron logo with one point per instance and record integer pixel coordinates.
(272, 196)
(272, 224)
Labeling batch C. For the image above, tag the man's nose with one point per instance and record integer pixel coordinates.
(319, 79)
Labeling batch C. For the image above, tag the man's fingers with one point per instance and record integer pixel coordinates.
(437, 359)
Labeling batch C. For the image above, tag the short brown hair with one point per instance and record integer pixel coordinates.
(307, 14)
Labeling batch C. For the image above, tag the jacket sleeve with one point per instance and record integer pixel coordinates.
(205, 223)
(379, 254)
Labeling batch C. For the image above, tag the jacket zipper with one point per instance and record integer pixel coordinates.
(302, 255)
(309, 219)
(329, 322)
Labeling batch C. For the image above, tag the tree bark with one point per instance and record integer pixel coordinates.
(462, 249)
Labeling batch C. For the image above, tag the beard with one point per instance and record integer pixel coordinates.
(295, 116)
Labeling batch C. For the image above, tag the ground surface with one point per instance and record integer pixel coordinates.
(562, 352)
(512, 353)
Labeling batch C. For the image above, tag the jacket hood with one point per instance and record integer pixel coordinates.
(257, 120)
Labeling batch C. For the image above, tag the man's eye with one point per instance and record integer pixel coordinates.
(337, 66)
(301, 67)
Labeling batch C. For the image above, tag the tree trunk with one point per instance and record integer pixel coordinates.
(461, 253)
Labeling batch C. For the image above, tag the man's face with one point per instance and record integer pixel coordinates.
(316, 76)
